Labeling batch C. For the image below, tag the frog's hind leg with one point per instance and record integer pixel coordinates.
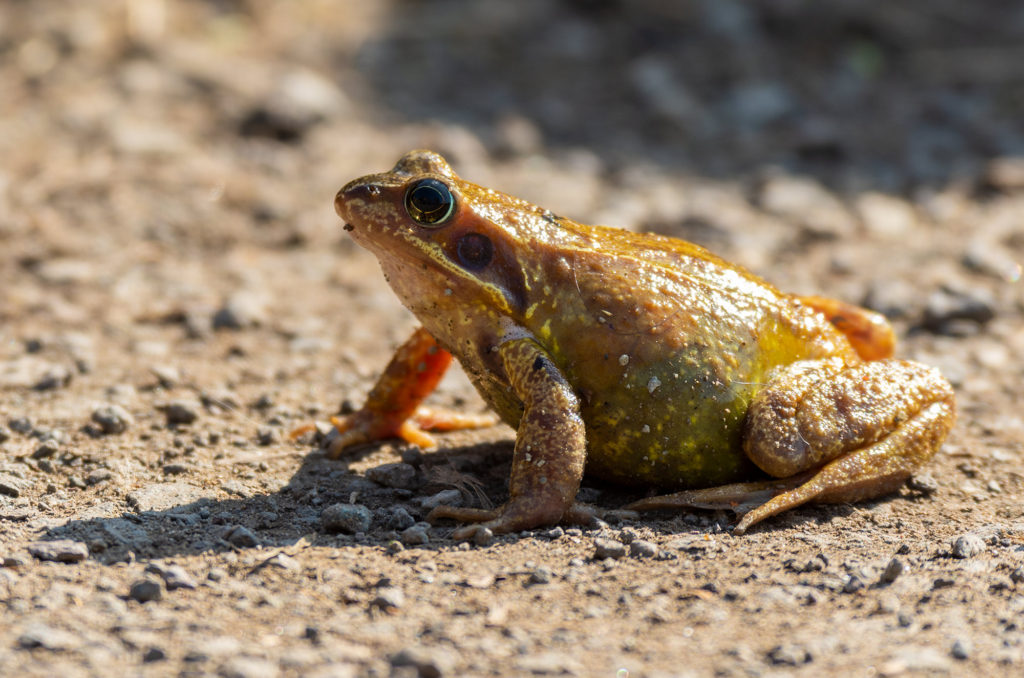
(831, 431)
(865, 427)
(739, 497)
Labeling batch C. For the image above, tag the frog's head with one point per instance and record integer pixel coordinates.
(449, 249)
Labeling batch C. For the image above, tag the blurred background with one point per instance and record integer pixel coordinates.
(161, 159)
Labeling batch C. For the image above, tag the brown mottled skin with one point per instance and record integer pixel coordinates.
(646, 360)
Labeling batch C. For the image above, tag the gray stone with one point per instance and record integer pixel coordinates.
(181, 412)
(240, 536)
(395, 518)
(398, 475)
(892, 571)
(13, 486)
(241, 311)
(388, 599)
(174, 576)
(953, 312)
(126, 533)
(483, 536)
(608, 548)
(640, 548)
(968, 546)
(46, 449)
(112, 419)
(416, 535)
(961, 649)
(541, 575)
(100, 475)
(248, 667)
(348, 518)
(48, 638)
(145, 590)
(61, 551)
(429, 663)
(163, 496)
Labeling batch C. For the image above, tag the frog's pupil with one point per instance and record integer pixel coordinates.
(429, 202)
(475, 250)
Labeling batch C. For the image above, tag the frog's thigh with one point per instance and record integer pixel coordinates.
(867, 425)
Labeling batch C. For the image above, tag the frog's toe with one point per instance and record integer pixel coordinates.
(463, 515)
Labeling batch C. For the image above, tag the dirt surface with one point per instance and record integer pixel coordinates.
(176, 294)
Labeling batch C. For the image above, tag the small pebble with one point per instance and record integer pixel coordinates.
(241, 311)
(388, 599)
(789, 655)
(968, 546)
(541, 575)
(47, 449)
(112, 419)
(415, 536)
(100, 475)
(347, 518)
(961, 649)
(266, 435)
(641, 548)
(239, 535)
(608, 548)
(924, 483)
(484, 536)
(174, 576)
(5, 435)
(431, 663)
(145, 590)
(154, 654)
(395, 518)
(853, 584)
(20, 425)
(398, 475)
(167, 375)
(947, 311)
(61, 551)
(181, 412)
(1017, 576)
(555, 533)
(892, 571)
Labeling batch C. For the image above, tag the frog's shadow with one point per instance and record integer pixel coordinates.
(281, 516)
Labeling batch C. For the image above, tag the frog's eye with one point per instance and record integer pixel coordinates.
(475, 250)
(429, 202)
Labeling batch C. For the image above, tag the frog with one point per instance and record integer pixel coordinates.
(638, 359)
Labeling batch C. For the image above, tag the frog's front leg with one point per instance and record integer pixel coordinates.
(393, 409)
(550, 451)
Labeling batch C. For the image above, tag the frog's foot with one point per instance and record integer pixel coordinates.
(432, 419)
(739, 497)
(862, 428)
(510, 518)
(366, 426)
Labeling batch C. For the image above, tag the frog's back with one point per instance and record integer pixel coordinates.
(667, 345)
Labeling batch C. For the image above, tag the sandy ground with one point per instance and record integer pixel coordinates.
(176, 295)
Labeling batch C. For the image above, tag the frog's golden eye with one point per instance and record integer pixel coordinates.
(429, 202)
(475, 250)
